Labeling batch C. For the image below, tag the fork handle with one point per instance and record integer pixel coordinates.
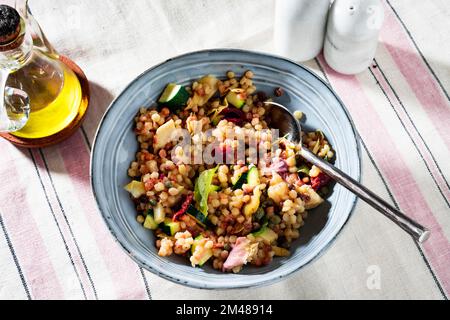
(416, 230)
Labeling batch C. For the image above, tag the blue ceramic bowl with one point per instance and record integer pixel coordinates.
(115, 147)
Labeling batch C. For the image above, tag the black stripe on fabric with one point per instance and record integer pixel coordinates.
(86, 138)
(414, 125)
(410, 118)
(436, 281)
(68, 224)
(16, 260)
(438, 284)
(418, 50)
(410, 135)
(147, 287)
(57, 225)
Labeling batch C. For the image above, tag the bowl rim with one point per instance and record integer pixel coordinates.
(256, 284)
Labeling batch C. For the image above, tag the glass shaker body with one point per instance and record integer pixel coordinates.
(352, 34)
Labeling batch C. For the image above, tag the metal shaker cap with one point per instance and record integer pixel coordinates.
(9, 24)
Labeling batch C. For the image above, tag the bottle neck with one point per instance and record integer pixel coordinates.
(16, 53)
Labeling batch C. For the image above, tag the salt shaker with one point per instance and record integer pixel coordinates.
(352, 34)
(300, 27)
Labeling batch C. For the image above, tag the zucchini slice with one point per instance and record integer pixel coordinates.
(253, 177)
(159, 214)
(266, 234)
(174, 96)
(197, 215)
(241, 181)
(170, 227)
(150, 223)
(236, 99)
(206, 254)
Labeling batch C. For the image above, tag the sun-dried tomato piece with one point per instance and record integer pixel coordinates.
(234, 115)
(184, 207)
(320, 181)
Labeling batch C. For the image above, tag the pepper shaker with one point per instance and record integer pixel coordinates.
(300, 27)
(352, 34)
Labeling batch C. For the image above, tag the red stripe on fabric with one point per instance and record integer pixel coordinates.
(397, 174)
(63, 225)
(22, 228)
(124, 272)
(417, 75)
(415, 135)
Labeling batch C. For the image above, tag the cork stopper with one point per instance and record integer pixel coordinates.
(9, 24)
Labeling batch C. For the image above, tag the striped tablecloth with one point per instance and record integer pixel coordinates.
(54, 244)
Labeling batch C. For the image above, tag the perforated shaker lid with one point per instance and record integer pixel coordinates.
(9, 24)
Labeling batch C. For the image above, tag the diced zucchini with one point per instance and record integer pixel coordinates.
(174, 96)
(164, 134)
(253, 177)
(241, 181)
(266, 234)
(196, 241)
(159, 214)
(170, 227)
(206, 254)
(251, 208)
(236, 99)
(311, 197)
(150, 223)
(197, 215)
(136, 188)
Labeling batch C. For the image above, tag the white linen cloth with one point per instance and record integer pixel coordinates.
(116, 40)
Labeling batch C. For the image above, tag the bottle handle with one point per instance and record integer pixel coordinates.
(14, 105)
(40, 41)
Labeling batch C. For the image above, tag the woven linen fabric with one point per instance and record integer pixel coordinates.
(55, 245)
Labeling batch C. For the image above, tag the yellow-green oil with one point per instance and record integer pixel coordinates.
(51, 118)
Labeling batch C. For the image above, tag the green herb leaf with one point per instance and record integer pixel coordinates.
(203, 188)
(304, 169)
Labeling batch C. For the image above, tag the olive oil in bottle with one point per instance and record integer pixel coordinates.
(52, 90)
